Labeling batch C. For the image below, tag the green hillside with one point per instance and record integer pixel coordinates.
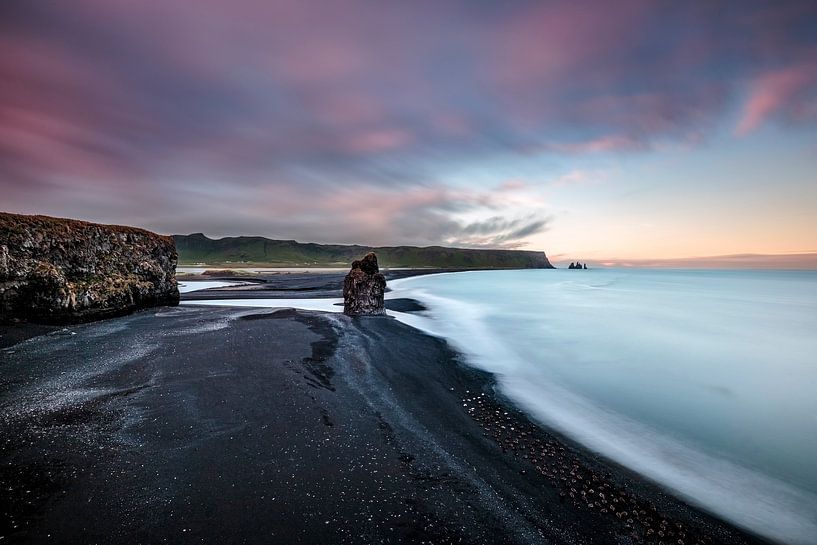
(197, 248)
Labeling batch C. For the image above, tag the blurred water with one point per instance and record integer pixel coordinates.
(186, 286)
(705, 381)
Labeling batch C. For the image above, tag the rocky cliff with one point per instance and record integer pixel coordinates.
(363, 288)
(61, 270)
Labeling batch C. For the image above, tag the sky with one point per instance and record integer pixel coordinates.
(635, 129)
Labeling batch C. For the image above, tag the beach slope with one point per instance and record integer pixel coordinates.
(190, 425)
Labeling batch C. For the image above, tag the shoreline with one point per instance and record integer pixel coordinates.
(407, 306)
(374, 396)
(319, 284)
(529, 448)
(657, 490)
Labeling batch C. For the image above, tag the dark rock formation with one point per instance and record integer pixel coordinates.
(363, 288)
(60, 270)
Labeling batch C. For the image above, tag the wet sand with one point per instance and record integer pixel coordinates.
(289, 285)
(213, 425)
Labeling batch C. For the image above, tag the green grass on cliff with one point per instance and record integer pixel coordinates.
(197, 248)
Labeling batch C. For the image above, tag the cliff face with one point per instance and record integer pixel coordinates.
(60, 270)
(364, 288)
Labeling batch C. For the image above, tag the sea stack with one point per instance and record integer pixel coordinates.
(363, 288)
(58, 270)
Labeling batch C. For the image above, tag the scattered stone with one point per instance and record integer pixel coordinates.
(577, 483)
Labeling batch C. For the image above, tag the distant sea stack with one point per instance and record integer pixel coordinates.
(363, 288)
(61, 270)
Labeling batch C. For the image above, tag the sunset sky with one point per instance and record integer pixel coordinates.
(594, 130)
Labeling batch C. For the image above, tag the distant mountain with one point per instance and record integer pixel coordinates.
(197, 248)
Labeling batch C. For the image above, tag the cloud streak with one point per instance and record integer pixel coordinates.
(790, 92)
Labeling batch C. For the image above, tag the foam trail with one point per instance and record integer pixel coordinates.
(325, 305)
(186, 286)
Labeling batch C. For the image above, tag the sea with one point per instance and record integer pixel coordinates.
(704, 381)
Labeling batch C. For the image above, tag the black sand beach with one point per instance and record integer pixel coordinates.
(213, 425)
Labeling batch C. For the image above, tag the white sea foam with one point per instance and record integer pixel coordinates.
(326, 305)
(186, 286)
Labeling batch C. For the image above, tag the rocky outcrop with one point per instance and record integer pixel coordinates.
(60, 270)
(363, 288)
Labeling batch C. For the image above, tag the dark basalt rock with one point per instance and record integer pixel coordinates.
(363, 288)
(55, 270)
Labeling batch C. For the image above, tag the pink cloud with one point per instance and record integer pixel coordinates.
(544, 41)
(512, 185)
(775, 92)
(53, 132)
(346, 109)
(379, 140)
(609, 143)
(452, 124)
(43, 144)
(542, 51)
(652, 113)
